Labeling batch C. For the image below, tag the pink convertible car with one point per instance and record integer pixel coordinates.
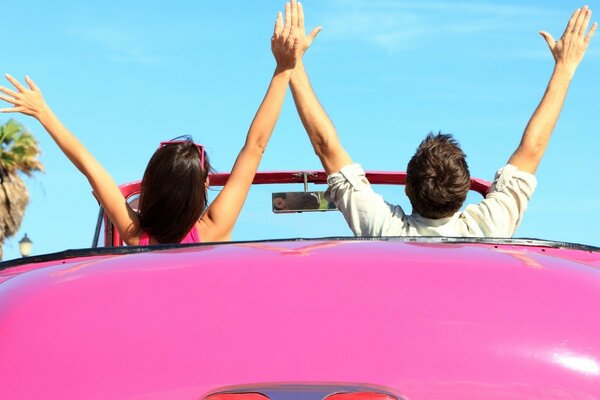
(338, 318)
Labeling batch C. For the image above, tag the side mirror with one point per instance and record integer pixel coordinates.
(295, 202)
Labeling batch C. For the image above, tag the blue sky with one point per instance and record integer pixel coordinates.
(124, 76)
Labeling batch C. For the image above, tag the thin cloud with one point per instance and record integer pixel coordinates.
(116, 44)
(400, 25)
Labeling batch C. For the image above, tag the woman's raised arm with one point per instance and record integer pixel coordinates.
(217, 222)
(30, 101)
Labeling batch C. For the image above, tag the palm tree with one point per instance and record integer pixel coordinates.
(18, 153)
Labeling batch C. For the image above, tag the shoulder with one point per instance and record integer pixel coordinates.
(501, 212)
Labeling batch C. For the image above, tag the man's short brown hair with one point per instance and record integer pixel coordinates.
(437, 177)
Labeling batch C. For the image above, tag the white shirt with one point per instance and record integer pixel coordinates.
(368, 214)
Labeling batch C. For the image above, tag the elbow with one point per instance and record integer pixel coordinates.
(321, 148)
(327, 150)
(534, 149)
(260, 148)
(324, 146)
(257, 144)
(533, 146)
(531, 153)
(256, 148)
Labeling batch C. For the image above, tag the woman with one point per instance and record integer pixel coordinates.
(173, 191)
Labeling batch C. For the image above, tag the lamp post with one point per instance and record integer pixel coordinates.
(25, 246)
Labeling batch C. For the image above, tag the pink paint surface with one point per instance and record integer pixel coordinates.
(427, 321)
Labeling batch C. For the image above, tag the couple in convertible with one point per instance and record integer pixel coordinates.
(173, 203)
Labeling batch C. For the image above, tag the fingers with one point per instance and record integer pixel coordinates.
(313, 34)
(572, 20)
(31, 84)
(7, 99)
(278, 26)
(585, 22)
(300, 16)
(11, 100)
(285, 43)
(11, 110)
(288, 19)
(590, 34)
(579, 22)
(549, 39)
(580, 18)
(15, 82)
(294, 14)
(8, 91)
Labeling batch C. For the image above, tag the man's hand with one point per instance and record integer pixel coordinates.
(568, 51)
(319, 127)
(304, 40)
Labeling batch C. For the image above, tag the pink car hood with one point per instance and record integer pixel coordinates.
(423, 320)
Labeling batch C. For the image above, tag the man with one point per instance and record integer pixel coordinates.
(438, 178)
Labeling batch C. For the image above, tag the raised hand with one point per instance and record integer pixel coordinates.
(284, 42)
(304, 40)
(28, 101)
(568, 51)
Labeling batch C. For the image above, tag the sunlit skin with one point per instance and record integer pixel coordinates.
(568, 51)
(217, 222)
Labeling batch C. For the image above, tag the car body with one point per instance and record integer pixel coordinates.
(378, 318)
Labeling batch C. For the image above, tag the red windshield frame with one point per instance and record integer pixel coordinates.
(282, 177)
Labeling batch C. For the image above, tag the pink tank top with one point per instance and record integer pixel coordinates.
(191, 237)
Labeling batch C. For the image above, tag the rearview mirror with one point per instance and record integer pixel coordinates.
(293, 202)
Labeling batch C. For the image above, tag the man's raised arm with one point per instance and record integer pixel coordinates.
(568, 52)
(319, 127)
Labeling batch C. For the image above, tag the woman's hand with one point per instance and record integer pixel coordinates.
(285, 43)
(27, 101)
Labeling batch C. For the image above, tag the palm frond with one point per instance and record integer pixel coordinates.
(19, 150)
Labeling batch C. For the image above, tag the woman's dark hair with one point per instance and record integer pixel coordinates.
(437, 177)
(173, 191)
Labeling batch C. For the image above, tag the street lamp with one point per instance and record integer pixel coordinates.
(25, 246)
